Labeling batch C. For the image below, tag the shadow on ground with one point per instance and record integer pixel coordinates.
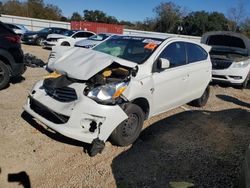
(22, 178)
(17, 80)
(201, 147)
(53, 135)
(234, 100)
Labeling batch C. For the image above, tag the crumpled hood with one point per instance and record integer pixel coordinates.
(80, 63)
(56, 36)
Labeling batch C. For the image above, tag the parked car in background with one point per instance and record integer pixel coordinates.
(37, 37)
(11, 55)
(230, 56)
(93, 40)
(75, 37)
(52, 39)
(17, 28)
(109, 90)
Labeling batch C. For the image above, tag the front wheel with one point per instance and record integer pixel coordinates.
(39, 41)
(129, 130)
(202, 101)
(65, 44)
(246, 82)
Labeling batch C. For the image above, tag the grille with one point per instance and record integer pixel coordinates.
(64, 94)
(221, 64)
(47, 113)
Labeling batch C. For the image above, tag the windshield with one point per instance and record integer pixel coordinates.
(99, 37)
(68, 33)
(136, 49)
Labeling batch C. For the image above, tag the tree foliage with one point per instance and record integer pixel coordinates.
(76, 17)
(98, 16)
(31, 8)
(169, 17)
(197, 23)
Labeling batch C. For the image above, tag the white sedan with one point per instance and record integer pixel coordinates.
(68, 38)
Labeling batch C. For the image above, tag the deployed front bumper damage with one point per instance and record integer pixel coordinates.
(82, 119)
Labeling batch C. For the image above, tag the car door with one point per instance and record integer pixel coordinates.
(199, 68)
(170, 85)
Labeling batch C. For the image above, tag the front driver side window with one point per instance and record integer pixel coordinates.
(175, 53)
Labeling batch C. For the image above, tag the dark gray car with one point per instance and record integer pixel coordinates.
(11, 55)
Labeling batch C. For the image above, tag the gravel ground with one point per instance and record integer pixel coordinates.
(200, 146)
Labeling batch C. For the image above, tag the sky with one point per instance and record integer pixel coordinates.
(138, 10)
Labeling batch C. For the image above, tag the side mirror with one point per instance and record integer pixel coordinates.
(163, 63)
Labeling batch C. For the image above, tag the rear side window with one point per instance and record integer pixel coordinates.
(224, 40)
(195, 53)
(175, 53)
(83, 35)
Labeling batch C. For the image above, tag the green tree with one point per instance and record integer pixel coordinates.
(76, 17)
(197, 23)
(98, 16)
(168, 15)
(13, 7)
(31, 8)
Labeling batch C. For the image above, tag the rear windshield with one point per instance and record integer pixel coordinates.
(223, 40)
(135, 49)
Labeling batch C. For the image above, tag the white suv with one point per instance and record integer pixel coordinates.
(108, 92)
(230, 56)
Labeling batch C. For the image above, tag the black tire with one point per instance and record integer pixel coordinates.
(39, 41)
(4, 75)
(129, 130)
(246, 82)
(65, 43)
(202, 101)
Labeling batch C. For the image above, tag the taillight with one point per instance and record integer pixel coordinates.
(13, 38)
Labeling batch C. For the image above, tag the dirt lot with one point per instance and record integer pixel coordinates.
(200, 146)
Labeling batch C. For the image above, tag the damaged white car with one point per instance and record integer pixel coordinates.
(109, 91)
(230, 56)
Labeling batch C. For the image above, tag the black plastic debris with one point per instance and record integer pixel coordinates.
(32, 61)
(97, 147)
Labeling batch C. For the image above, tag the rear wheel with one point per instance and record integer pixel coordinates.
(202, 101)
(4, 75)
(129, 130)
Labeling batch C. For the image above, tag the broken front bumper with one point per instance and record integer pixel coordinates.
(82, 119)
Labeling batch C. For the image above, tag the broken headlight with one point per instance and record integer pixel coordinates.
(108, 93)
